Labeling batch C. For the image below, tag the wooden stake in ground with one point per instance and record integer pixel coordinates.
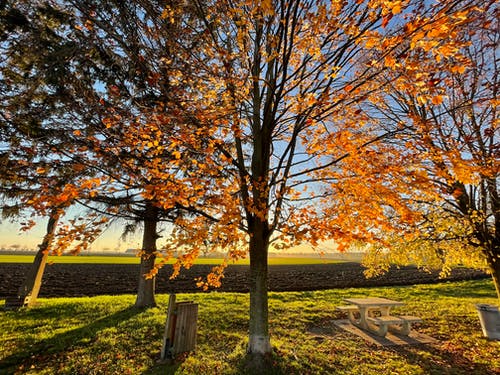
(28, 291)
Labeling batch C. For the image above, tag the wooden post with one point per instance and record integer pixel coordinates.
(168, 335)
(180, 328)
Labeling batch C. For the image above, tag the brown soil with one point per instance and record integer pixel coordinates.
(71, 280)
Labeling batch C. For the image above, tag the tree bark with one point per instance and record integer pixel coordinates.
(259, 342)
(146, 289)
(29, 290)
(494, 265)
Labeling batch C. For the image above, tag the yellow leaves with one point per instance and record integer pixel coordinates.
(463, 170)
(89, 25)
(371, 42)
(462, 15)
(438, 99)
(108, 122)
(348, 88)
(390, 62)
(267, 7)
(421, 99)
(90, 183)
(168, 14)
(396, 7)
(439, 244)
(495, 102)
(460, 69)
(151, 274)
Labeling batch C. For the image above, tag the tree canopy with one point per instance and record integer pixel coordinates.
(451, 124)
(254, 120)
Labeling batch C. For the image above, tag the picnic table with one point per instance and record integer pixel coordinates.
(373, 314)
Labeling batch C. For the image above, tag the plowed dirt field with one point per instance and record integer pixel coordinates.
(71, 280)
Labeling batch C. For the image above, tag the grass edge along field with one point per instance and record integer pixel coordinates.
(106, 335)
(110, 259)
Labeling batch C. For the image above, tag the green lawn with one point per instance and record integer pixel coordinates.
(135, 260)
(106, 335)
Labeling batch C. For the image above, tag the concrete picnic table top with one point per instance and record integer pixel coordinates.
(373, 302)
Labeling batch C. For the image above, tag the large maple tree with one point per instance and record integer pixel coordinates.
(289, 155)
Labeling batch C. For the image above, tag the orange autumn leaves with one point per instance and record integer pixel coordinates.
(269, 125)
(342, 186)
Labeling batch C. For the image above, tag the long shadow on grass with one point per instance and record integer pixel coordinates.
(442, 361)
(474, 289)
(35, 352)
(273, 364)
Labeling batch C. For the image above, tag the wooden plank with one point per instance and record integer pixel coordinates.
(185, 327)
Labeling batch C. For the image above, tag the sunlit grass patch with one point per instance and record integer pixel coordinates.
(107, 335)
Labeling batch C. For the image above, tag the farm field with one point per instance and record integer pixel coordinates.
(72, 280)
(103, 259)
(106, 335)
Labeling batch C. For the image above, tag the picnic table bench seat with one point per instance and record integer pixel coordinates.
(373, 314)
(411, 319)
(397, 324)
(387, 319)
(349, 309)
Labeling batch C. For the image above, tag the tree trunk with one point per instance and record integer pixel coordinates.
(259, 342)
(494, 264)
(28, 291)
(146, 288)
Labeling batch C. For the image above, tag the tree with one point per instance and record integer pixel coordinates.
(69, 68)
(260, 137)
(451, 123)
(289, 157)
(37, 178)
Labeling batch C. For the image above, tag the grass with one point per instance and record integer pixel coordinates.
(102, 259)
(105, 335)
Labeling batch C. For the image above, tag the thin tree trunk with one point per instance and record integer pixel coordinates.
(28, 291)
(494, 264)
(259, 342)
(146, 288)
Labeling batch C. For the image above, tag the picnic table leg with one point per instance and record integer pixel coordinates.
(384, 310)
(379, 330)
(363, 314)
(350, 315)
(359, 322)
(404, 329)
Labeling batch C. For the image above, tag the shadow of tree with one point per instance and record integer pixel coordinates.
(164, 368)
(272, 364)
(483, 288)
(33, 351)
